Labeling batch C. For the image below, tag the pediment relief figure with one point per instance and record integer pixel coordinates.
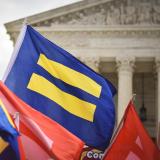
(113, 15)
(129, 15)
(145, 14)
(156, 14)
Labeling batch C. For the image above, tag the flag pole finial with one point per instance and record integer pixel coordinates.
(133, 97)
(25, 22)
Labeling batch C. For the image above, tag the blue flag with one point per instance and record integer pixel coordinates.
(57, 84)
(8, 137)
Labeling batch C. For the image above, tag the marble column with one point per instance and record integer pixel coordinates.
(125, 68)
(92, 62)
(158, 101)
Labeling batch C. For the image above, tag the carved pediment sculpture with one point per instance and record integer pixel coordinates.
(115, 12)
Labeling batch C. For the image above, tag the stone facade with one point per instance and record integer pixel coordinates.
(118, 38)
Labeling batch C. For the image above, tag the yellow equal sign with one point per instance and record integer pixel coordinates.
(67, 101)
(74, 78)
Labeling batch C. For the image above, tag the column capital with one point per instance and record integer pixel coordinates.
(92, 62)
(125, 63)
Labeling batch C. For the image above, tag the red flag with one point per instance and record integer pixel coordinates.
(42, 137)
(132, 141)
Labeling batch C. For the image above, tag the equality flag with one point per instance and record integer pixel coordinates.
(57, 84)
(10, 147)
(42, 137)
(132, 141)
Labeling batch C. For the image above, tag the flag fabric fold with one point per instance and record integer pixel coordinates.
(57, 84)
(10, 147)
(132, 141)
(42, 137)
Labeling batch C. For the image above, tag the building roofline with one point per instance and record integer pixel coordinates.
(55, 12)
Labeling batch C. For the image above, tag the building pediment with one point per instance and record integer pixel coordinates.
(122, 12)
(99, 12)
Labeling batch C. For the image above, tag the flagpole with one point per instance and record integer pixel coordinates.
(16, 120)
(16, 49)
(158, 136)
(118, 127)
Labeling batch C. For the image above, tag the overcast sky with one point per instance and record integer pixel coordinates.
(11, 10)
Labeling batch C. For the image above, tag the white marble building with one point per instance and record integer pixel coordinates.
(119, 39)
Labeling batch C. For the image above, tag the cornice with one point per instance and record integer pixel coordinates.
(110, 31)
(61, 27)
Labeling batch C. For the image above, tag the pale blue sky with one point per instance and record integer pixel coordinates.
(14, 9)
